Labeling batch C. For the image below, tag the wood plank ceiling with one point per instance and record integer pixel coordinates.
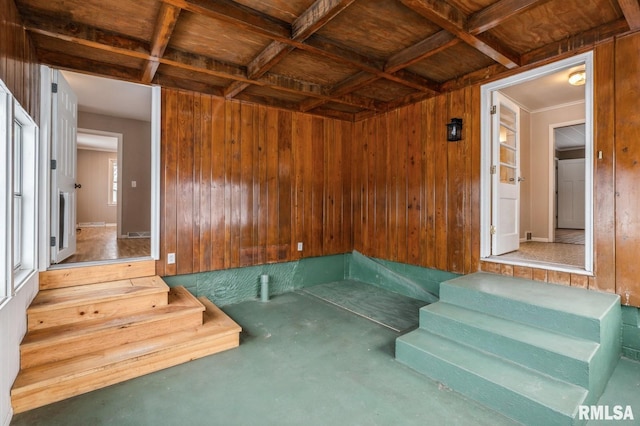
(348, 59)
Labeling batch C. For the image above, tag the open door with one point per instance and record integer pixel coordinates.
(571, 194)
(64, 117)
(505, 214)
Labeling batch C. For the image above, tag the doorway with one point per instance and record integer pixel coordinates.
(117, 175)
(549, 108)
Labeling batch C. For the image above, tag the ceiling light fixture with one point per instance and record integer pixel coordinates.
(577, 78)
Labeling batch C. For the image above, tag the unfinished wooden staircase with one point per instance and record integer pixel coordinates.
(92, 327)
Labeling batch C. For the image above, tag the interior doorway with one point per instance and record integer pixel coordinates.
(114, 179)
(555, 208)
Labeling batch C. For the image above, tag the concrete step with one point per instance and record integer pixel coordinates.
(60, 306)
(564, 357)
(52, 344)
(567, 310)
(518, 392)
(55, 381)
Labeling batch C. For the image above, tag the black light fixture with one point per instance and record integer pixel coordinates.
(454, 130)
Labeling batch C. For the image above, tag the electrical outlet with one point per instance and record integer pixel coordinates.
(134, 183)
(300, 246)
(171, 258)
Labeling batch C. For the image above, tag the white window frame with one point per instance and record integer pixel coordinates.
(486, 90)
(113, 164)
(29, 199)
(12, 279)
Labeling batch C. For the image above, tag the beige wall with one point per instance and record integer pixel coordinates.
(539, 162)
(136, 166)
(93, 175)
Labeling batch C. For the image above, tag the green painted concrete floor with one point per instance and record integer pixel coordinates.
(301, 361)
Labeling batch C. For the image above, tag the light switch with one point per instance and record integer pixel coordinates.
(134, 183)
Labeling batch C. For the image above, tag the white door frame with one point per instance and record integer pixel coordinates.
(45, 181)
(585, 59)
(119, 137)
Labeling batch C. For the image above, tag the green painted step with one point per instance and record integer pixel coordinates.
(561, 356)
(568, 310)
(518, 392)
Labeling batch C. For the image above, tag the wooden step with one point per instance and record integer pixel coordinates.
(71, 277)
(47, 383)
(51, 344)
(60, 306)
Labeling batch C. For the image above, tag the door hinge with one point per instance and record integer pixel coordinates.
(54, 87)
(54, 164)
(493, 109)
(493, 170)
(493, 230)
(53, 241)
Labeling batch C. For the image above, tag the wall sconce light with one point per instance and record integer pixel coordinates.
(577, 78)
(454, 130)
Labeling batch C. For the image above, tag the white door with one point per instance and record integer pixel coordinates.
(64, 119)
(571, 191)
(505, 214)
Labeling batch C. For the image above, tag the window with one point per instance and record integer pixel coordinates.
(113, 182)
(17, 195)
(24, 190)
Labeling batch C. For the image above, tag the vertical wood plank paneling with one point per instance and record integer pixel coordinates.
(627, 174)
(475, 159)
(197, 181)
(455, 189)
(272, 186)
(185, 183)
(206, 183)
(441, 188)
(392, 177)
(414, 173)
(358, 148)
(246, 246)
(170, 184)
(604, 183)
(401, 188)
(284, 184)
(261, 196)
(430, 183)
(218, 190)
(349, 170)
(381, 217)
(317, 187)
(235, 176)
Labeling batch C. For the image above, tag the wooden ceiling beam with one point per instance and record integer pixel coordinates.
(238, 15)
(631, 11)
(310, 21)
(453, 20)
(499, 12)
(165, 24)
(345, 87)
(74, 63)
(422, 50)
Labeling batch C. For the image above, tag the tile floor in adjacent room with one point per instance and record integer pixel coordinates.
(301, 361)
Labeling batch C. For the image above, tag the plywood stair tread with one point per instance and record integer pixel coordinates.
(181, 302)
(43, 384)
(58, 298)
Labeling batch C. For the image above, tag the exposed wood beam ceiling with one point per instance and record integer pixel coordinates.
(346, 59)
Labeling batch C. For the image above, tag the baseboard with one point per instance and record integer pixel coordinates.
(540, 240)
(91, 225)
(7, 420)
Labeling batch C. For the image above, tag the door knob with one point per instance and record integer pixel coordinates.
(520, 179)
(77, 186)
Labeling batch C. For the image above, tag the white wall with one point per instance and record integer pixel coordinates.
(13, 326)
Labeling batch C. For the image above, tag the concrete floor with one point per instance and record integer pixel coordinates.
(301, 361)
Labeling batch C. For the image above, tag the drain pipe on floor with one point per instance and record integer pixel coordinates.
(264, 288)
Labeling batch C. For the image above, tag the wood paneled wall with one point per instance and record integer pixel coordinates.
(243, 184)
(416, 196)
(19, 69)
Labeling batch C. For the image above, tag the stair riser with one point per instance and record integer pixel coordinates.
(33, 355)
(486, 392)
(62, 278)
(47, 393)
(545, 318)
(109, 309)
(560, 366)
